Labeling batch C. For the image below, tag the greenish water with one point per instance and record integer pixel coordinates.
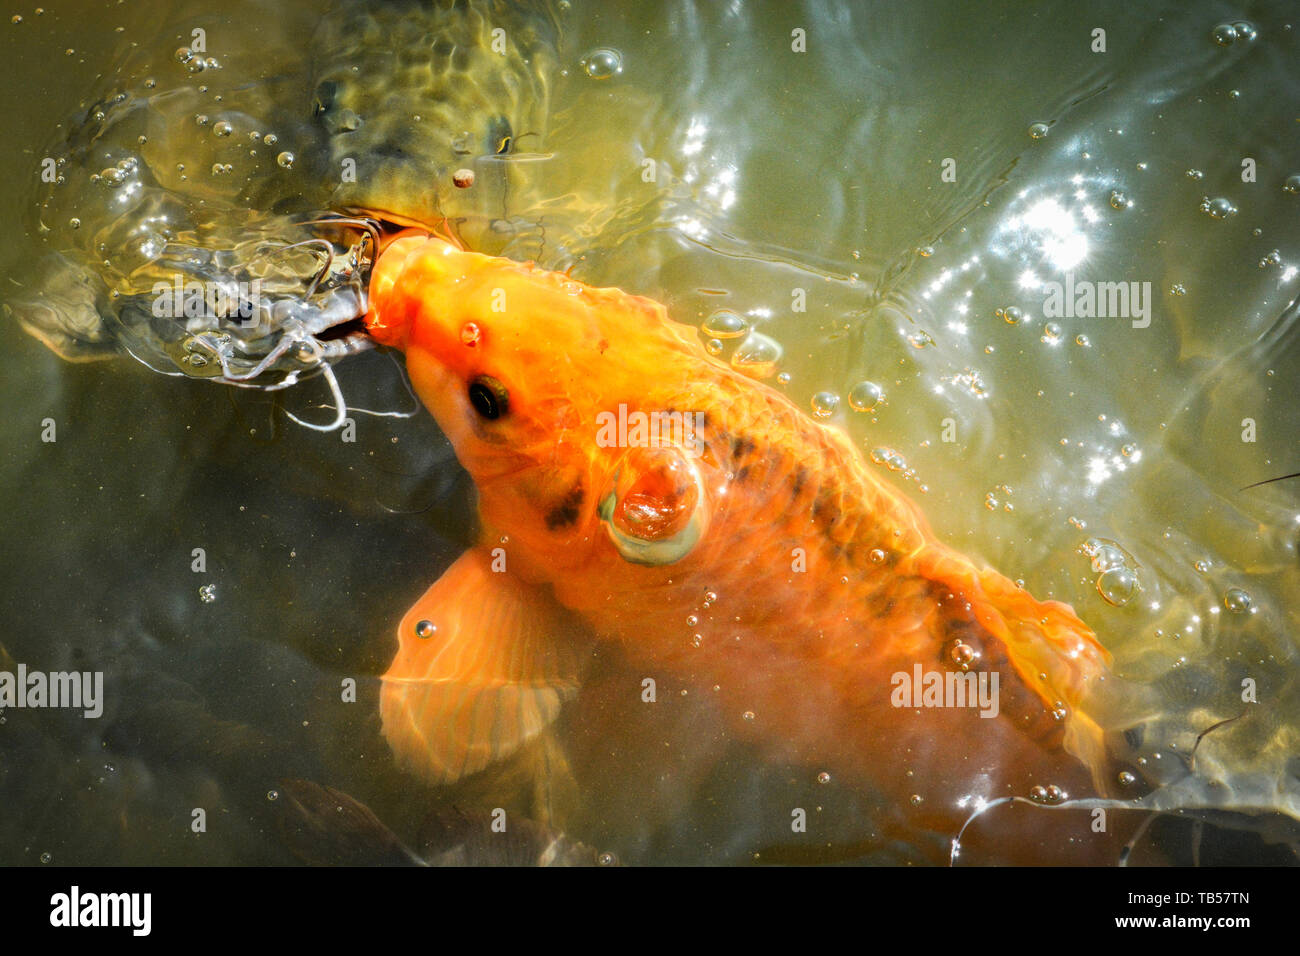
(776, 171)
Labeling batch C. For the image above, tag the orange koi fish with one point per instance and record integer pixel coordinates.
(742, 547)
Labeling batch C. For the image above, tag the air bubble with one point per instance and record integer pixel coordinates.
(824, 404)
(1225, 34)
(602, 63)
(426, 629)
(756, 356)
(865, 396)
(1051, 333)
(724, 324)
(1118, 586)
(1038, 130)
(1237, 601)
(222, 129)
(823, 777)
(748, 715)
(713, 347)
(273, 794)
(1292, 185)
(285, 159)
(963, 655)
(1119, 201)
(1012, 315)
(1127, 779)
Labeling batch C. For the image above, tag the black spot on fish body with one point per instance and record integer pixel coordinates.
(565, 512)
(741, 447)
(800, 479)
(824, 510)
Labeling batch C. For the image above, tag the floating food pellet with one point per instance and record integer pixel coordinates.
(463, 178)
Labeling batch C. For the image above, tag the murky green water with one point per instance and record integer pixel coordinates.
(779, 178)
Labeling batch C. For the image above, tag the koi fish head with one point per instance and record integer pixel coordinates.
(532, 376)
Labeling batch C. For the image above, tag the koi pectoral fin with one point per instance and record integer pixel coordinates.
(484, 664)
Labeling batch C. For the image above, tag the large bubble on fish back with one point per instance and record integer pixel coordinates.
(757, 355)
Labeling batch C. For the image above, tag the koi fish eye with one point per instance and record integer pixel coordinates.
(489, 397)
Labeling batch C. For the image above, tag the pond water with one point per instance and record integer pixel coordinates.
(887, 193)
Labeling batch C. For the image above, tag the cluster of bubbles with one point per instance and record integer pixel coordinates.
(755, 354)
(1226, 34)
(195, 62)
(116, 175)
(208, 593)
(1049, 794)
(1117, 578)
(996, 498)
(1218, 208)
(970, 380)
(896, 463)
(722, 326)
